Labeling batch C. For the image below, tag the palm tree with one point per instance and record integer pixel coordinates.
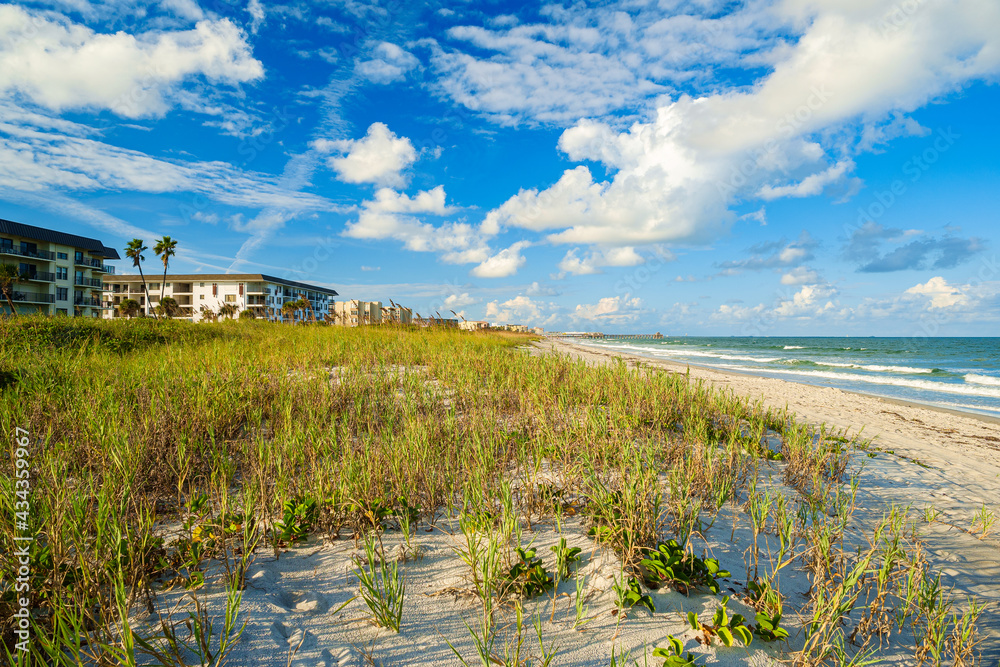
(289, 308)
(10, 275)
(168, 307)
(228, 310)
(165, 248)
(208, 314)
(129, 307)
(134, 251)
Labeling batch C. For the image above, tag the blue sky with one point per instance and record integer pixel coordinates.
(818, 167)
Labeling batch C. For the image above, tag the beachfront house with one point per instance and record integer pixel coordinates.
(397, 315)
(60, 273)
(210, 296)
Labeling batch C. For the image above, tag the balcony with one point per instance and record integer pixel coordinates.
(41, 277)
(89, 282)
(94, 264)
(86, 301)
(36, 254)
(34, 297)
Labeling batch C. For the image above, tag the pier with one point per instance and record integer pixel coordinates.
(580, 334)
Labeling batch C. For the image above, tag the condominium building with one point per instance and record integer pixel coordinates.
(61, 274)
(210, 296)
(397, 315)
(473, 325)
(355, 313)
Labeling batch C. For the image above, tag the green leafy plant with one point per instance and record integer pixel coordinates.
(768, 628)
(528, 576)
(565, 557)
(674, 656)
(669, 563)
(628, 595)
(727, 628)
(298, 518)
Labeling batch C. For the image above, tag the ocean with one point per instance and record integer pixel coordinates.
(956, 373)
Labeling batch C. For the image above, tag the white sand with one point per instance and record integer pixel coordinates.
(289, 602)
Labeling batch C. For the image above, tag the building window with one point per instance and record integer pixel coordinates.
(201, 296)
(62, 294)
(230, 298)
(62, 273)
(78, 256)
(153, 286)
(61, 255)
(201, 284)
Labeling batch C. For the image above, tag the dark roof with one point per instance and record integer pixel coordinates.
(93, 246)
(209, 277)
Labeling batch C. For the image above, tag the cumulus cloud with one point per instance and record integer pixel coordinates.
(939, 294)
(675, 175)
(610, 310)
(593, 262)
(379, 157)
(504, 263)
(61, 65)
(395, 215)
(388, 63)
(453, 301)
(800, 275)
(521, 310)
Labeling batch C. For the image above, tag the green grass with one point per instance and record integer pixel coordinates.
(259, 435)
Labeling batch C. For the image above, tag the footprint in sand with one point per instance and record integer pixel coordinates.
(289, 638)
(302, 602)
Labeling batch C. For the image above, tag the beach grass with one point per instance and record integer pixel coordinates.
(253, 437)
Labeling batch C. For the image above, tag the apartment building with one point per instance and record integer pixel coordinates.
(205, 296)
(61, 274)
(355, 313)
(473, 325)
(397, 315)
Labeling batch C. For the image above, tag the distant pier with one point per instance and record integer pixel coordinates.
(580, 334)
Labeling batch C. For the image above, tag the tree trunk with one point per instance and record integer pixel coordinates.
(10, 302)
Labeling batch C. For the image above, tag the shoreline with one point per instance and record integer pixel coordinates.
(919, 457)
(722, 371)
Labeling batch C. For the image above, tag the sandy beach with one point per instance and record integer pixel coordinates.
(927, 457)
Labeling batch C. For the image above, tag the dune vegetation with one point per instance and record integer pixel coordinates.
(249, 439)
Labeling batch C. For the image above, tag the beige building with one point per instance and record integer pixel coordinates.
(62, 274)
(203, 296)
(473, 325)
(397, 315)
(355, 313)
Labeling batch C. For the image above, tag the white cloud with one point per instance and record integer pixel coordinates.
(389, 63)
(379, 157)
(810, 185)
(675, 176)
(257, 15)
(521, 310)
(800, 275)
(940, 294)
(453, 301)
(504, 263)
(610, 310)
(809, 301)
(393, 215)
(593, 262)
(62, 65)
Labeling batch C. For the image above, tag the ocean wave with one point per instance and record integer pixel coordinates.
(988, 380)
(926, 385)
(882, 369)
(793, 347)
